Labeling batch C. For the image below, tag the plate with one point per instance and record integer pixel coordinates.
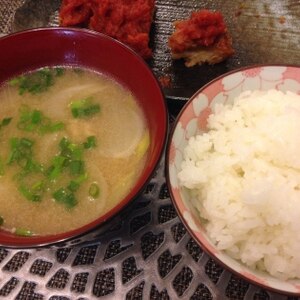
(263, 32)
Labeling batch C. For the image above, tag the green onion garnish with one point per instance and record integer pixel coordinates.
(1, 220)
(20, 150)
(29, 194)
(94, 190)
(36, 121)
(65, 197)
(23, 232)
(5, 122)
(56, 168)
(76, 167)
(84, 108)
(70, 150)
(36, 117)
(26, 143)
(21, 154)
(70, 159)
(38, 186)
(32, 166)
(90, 142)
(73, 186)
(38, 81)
(52, 127)
(81, 178)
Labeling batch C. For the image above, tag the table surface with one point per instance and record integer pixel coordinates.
(144, 254)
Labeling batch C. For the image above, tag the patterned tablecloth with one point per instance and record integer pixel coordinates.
(144, 254)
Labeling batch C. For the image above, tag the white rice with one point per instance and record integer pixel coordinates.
(244, 176)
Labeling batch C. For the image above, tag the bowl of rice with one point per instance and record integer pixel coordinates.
(233, 171)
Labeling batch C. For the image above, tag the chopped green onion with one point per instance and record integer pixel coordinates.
(94, 190)
(32, 166)
(23, 232)
(53, 127)
(64, 146)
(70, 150)
(70, 200)
(90, 142)
(76, 167)
(28, 194)
(63, 196)
(91, 109)
(38, 186)
(58, 161)
(27, 143)
(84, 108)
(15, 81)
(5, 122)
(24, 163)
(60, 194)
(73, 186)
(81, 178)
(12, 157)
(1, 220)
(75, 151)
(36, 117)
(38, 81)
(69, 159)
(53, 173)
(20, 150)
(21, 154)
(56, 168)
(36, 121)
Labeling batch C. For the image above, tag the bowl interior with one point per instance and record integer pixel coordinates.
(29, 50)
(192, 120)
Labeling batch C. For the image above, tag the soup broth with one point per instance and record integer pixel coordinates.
(72, 145)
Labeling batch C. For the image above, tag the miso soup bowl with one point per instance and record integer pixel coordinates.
(32, 49)
(191, 121)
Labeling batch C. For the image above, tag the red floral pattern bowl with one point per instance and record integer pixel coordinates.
(192, 121)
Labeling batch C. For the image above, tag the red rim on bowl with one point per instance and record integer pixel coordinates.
(267, 80)
(36, 48)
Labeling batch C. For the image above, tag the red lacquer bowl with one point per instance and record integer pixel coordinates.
(32, 49)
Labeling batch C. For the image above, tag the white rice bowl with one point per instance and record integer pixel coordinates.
(236, 182)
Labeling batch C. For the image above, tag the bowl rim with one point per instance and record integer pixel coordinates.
(60, 238)
(173, 197)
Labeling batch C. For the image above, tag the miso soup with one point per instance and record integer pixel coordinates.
(72, 144)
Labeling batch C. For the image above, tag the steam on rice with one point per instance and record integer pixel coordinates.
(244, 177)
